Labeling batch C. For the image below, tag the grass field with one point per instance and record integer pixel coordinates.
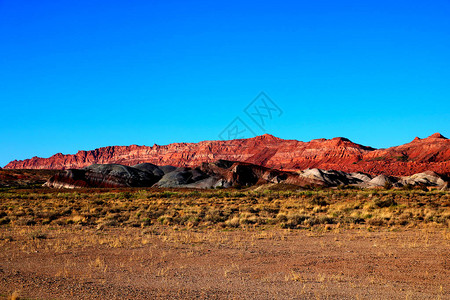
(216, 244)
(226, 208)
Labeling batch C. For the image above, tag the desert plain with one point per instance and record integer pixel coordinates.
(265, 242)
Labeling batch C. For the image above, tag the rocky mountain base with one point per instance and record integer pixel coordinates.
(223, 174)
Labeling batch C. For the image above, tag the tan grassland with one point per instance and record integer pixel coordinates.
(224, 244)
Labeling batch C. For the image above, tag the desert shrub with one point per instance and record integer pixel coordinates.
(165, 219)
(223, 194)
(312, 221)
(168, 194)
(190, 220)
(327, 220)
(295, 220)
(114, 210)
(194, 194)
(146, 222)
(215, 216)
(26, 222)
(319, 220)
(234, 222)
(66, 211)
(281, 217)
(20, 213)
(111, 223)
(98, 202)
(5, 220)
(403, 222)
(250, 209)
(384, 202)
(37, 234)
(239, 195)
(318, 200)
(48, 215)
(247, 218)
(124, 195)
(354, 220)
(376, 222)
(269, 211)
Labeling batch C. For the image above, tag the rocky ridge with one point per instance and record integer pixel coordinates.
(223, 174)
(420, 155)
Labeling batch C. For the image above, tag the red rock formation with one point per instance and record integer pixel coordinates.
(432, 153)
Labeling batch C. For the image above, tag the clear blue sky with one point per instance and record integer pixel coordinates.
(78, 75)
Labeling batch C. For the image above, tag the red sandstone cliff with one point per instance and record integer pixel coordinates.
(432, 153)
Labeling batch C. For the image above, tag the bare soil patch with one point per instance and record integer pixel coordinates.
(163, 262)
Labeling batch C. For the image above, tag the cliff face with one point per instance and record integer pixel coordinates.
(432, 153)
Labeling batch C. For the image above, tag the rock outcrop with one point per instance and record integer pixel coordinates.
(228, 174)
(106, 175)
(420, 155)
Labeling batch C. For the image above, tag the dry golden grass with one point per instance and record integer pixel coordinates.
(15, 295)
(315, 244)
(226, 209)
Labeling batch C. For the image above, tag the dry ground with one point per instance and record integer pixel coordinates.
(224, 245)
